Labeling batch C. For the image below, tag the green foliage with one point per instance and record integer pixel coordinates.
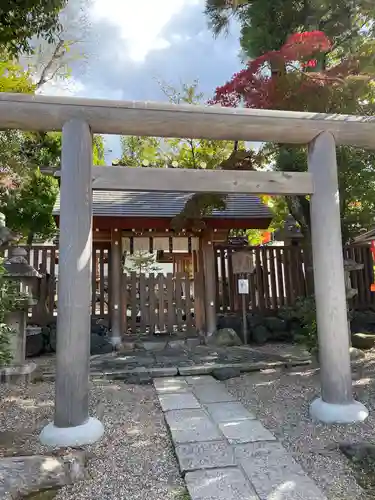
(28, 209)
(140, 151)
(13, 77)
(303, 316)
(181, 153)
(141, 262)
(265, 26)
(98, 150)
(21, 20)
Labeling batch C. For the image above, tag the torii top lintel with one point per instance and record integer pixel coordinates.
(48, 113)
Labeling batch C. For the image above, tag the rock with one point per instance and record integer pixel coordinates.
(254, 320)
(260, 334)
(356, 354)
(363, 340)
(226, 373)
(358, 451)
(100, 345)
(224, 337)
(22, 476)
(232, 321)
(126, 346)
(34, 345)
(275, 324)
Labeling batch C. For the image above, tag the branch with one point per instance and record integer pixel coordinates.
(56, 55)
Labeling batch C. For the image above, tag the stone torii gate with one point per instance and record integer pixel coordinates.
(80, 118)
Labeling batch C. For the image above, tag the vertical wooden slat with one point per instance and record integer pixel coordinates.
(188, 305)
(36, 258)
(224, 282)
(178, 293)
(134, 301)
(265, 277)
(271, 254)
(288, 277)
(161, 297)
(217, 281)
(231, 281)
(152, 303)
(171, 307)
(45, 281)
(101, 282)
(52, 281)
(124, 298)
(142, 302)
(280, 279)
(259, 281)
(93, 281)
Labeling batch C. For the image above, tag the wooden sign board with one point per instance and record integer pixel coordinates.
(242, 262)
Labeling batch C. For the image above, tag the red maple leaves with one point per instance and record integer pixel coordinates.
(289, 78)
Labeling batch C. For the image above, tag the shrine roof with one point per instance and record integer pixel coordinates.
(168, 205)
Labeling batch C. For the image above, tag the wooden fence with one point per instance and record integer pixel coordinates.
(158, 303)
(280, 275)
(162, 303)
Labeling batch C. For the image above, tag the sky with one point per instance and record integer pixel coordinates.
(130, 45)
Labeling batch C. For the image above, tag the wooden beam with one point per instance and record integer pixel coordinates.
(38, 112)
(201, 181)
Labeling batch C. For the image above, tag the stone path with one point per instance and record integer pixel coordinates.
(181, 358)
(223, 451)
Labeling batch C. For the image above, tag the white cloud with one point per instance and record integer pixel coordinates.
(141, 22)
(68, 87)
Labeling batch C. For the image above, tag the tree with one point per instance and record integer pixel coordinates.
(28, 209)
(266, 24)
(187, 153)
(141, 262)
(21, 20)
(308, 74)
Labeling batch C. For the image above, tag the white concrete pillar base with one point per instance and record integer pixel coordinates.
(89, 432)
(330, 413)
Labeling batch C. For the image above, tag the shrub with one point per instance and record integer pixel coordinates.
(303, 312)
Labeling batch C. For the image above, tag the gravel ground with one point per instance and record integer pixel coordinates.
(281, 398)
(135, 459)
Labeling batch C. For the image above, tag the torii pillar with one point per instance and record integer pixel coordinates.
(336, 404)
(72, 425)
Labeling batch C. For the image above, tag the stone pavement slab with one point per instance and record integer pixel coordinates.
(219, 484)
(170, 385)
(194, 380)
(228, 412)
(209, 393)
(245, 431)
(274, 473)
(206, 455)
(178, 401)
(189, 426)
(223, 450)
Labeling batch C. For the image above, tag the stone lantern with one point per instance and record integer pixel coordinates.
(24, 278)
